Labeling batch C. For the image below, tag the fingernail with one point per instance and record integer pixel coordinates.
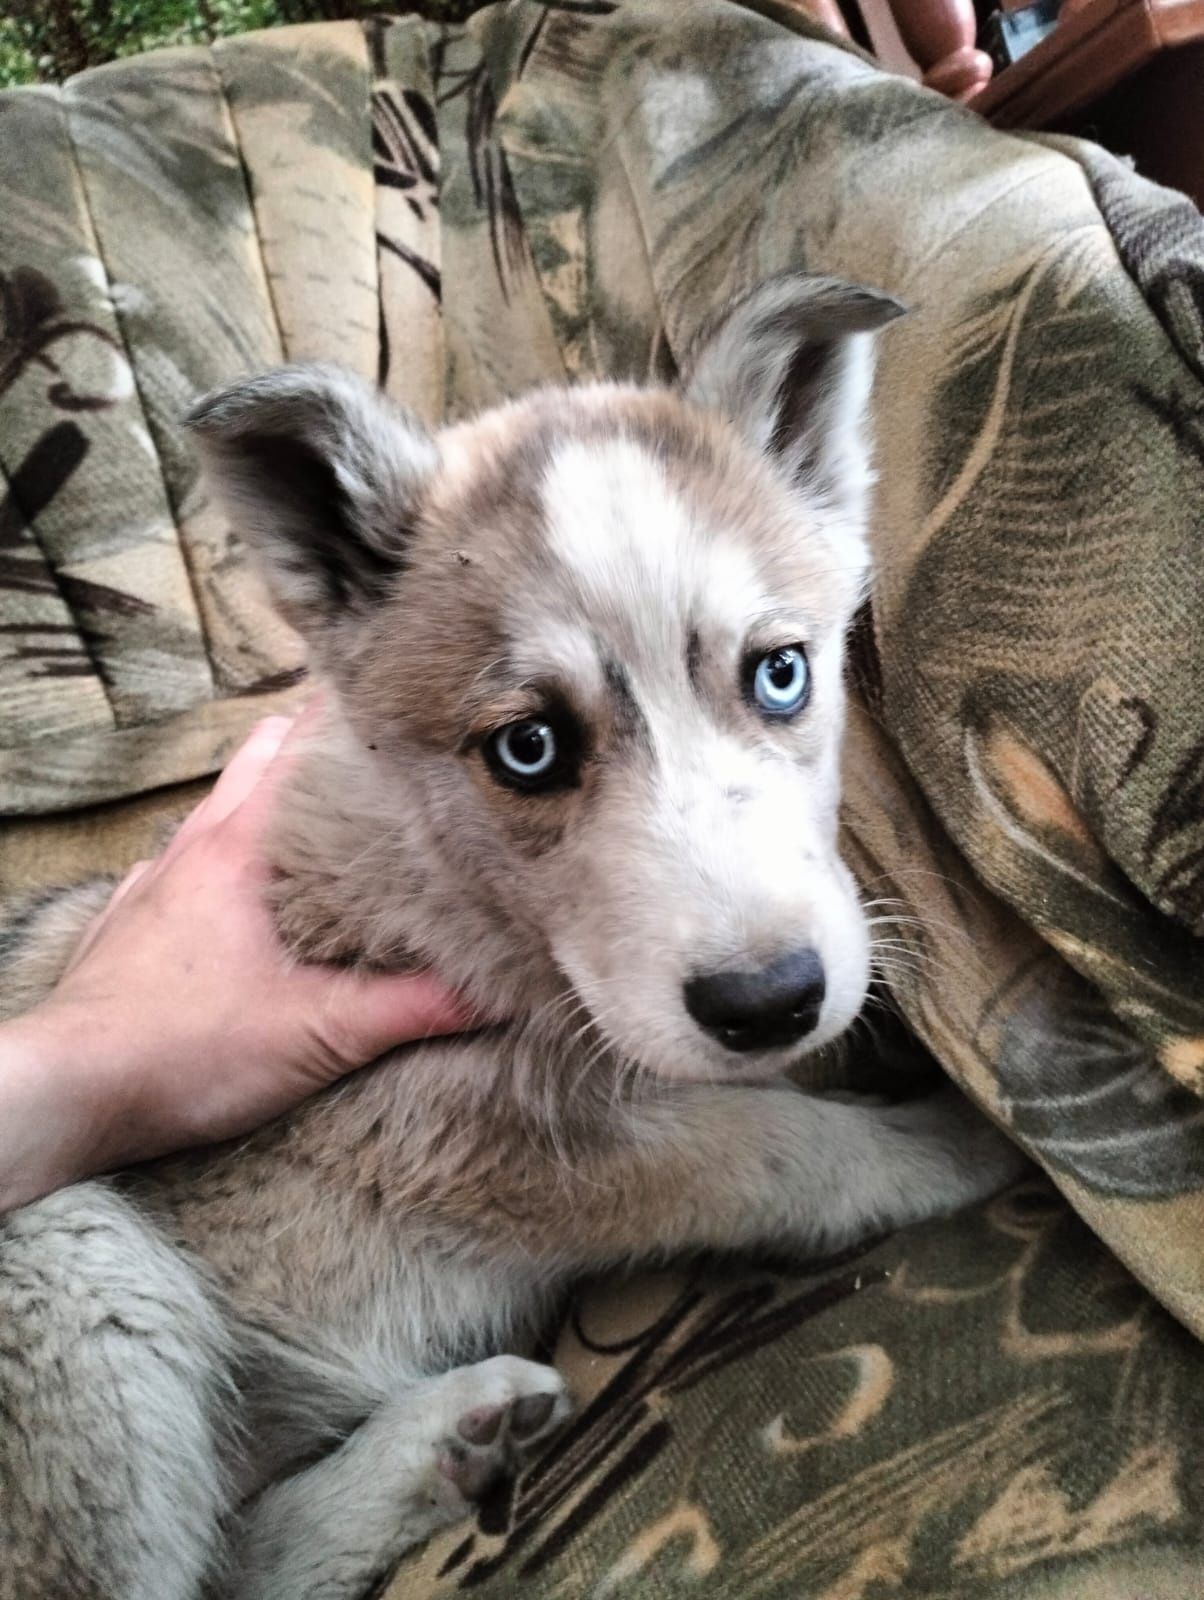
(271, 730)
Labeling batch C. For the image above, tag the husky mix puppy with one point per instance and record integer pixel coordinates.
(584, 656)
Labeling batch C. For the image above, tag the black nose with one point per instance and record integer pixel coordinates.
(760, 1009)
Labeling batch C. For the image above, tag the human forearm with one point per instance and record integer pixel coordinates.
(58, 1104)
(179, 1019)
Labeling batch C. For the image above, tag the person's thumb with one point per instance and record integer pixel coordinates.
(363, 1015)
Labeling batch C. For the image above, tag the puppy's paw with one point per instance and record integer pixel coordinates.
(500, 1413)
(984, 1159)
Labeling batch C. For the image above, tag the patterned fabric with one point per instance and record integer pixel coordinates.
(983, 1407)
(987, 1406)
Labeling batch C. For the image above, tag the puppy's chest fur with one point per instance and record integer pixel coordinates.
(396, 1200)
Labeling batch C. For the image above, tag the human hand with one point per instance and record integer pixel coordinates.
(181, 1020)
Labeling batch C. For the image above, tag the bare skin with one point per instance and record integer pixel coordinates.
(180, 1019)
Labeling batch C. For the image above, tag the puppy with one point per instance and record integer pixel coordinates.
(584, 656)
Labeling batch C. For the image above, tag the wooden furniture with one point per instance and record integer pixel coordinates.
(1126, 73)
(1097, 45)
(939, 35)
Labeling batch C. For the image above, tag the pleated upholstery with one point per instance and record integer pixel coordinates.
(411, 364)
(191, 301)
(299, 104)
(95, 508)
(987, 1406)
(170, 222)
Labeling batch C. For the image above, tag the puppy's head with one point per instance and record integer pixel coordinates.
(598, 635)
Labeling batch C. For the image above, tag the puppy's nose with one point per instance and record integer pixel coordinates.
(761, 1009)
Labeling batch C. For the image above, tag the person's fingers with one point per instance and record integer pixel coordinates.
(365, 1015)
(136, 872)
(256, 804)
(88, 938)
(244, 770)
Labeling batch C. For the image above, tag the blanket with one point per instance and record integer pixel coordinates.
(1006, 1403)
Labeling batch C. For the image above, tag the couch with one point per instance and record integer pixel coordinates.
(1007, 1403)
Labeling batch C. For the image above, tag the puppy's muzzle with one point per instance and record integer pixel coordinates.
(762, 1009)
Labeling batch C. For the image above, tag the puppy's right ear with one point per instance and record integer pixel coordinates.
(321, 475)
(790, 364)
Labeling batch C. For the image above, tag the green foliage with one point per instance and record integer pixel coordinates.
(48, 40)
(18, 64)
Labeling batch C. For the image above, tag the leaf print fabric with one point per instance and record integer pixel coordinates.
(1002, 1404)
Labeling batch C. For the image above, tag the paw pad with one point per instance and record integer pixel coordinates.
(472, 1471)
(481, 1426)
(531, 1414)
(518, 1403)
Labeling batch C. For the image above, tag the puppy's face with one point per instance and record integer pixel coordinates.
(598, 636)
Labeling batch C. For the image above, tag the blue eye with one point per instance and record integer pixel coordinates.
(524, 752)
(781, 680)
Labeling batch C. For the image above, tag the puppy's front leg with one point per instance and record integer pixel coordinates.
(724, 1166)
(337, 1528)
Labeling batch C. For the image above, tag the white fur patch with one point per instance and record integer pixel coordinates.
(633, 544)
(612, 514)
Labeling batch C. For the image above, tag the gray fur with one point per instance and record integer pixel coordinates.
(790, 364)
(338, 463)
(259, 1371)
(115, 1401)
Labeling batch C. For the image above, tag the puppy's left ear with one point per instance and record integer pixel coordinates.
(791, 364)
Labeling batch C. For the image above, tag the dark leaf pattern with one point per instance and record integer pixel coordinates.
(990, 1406)
(32, 322)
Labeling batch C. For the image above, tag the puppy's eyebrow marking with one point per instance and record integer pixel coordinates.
(693, 655)
(630, 721)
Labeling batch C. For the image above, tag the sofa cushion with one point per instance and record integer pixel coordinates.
(988, 1405)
